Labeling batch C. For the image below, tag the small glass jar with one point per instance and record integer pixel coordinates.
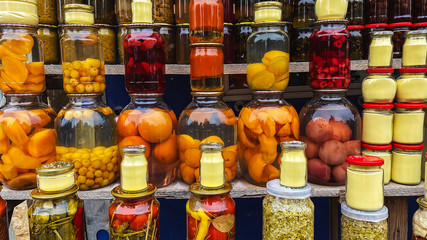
(121, 34)
(304, 13)
(415, 49)
(206, 21)
(228, 11)
(419, 11)
(163, 11)
(206, 67)
(330, 55)
(60, 7)
(367, 36)
(21, 57)
(108, 38)
(408, 123)
(104, 11)
(377, 123)
(19, 12)
(288, 213)
(87, 136)
(293, 164)
(242, 31)
(400, 11)
(59, 213)
(181, 11)
(79, 14)
(406, 164)
(355, 12)
(364, 187)
(356, 42)
(167, 31)
(399, 31)
(47, 12)
(419, 225)
(329, 10)
(300, 44)
(381, 50)
(379, 86)
(183, 49)
(244, 12)
(4, 229)
(357, 224)
(124, 11)
(412, 85)
(331, 127)
(48, 35)
(376, 11)
(383, 152)
(228, 48)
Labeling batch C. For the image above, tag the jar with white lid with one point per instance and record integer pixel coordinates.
(383, 152)
(19, 12)
(377, 123)
(415, 49)
(381, 50)
(406, 164)
(379, 86)
(412, 85)
(408, 123)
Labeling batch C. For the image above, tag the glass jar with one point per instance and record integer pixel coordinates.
(300, 44)
(381, 50)
(288, 213)
(400, 11)
(408, 123)
(357, 224)
(48, 35)
(87, 136)
(331, 127)
(377, 123)
(329, 10)
(419, 228)
(415, 49)
(4, 229)
(241, 34)
(228, 48)
(206, 119)
(356, 52)
(183, 49)
(263, 123)
(330, 55)
(181, 11)
(304, 13)
(406, 164)
(364, 187)
(167, 32)
(134, 169)
(144, 59)
(57, 214)
(293, 164)
(21, 57)
(27, 139)
(124, 11)
(419, 11)
(121, 34)
(206, 67)
(383, 152)
(163, 11)
(355, 12)
(367, 36)
(244, 12)
(79, 14)
(287, 10)
(108, 38)
(228, 11)
(104, 11)
(399, 31)
(147, 120)
(82, 59)
(206, 21)
(47, 12)
(376, 11)
(412, 85)
(19, 12)
(60, 7)
(379, 86)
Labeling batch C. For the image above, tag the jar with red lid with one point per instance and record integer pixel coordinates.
(206, 21)
(408, 125)
(415, 49)
(207, 67)
(376, 11)
(4, 230)
(355, 12)
(330, 55)
(399, 31)
(406, 164)
(377, 123)
(228, 48)
(400, 10)
(379, 86)
(356, 33)
(383, 152)
(419, 11)
(228, 11)
(182, 44)
(419, 26)
(412, 85)
(367, 37)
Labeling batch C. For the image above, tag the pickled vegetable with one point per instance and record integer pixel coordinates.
(86, 76)
(352, 229)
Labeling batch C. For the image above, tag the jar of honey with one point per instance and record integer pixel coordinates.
(206, 67)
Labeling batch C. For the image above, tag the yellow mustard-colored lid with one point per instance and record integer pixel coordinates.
(270, 11)
(79, 14)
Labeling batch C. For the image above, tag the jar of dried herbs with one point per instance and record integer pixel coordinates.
(163, 11)
(183, 44)
(121, 34)
(167, 31)
(3, 219)
(357, 224)
(299, 42)
(356, 52)
(47, 12)
(48, 34)
(241, 34)
(288, 213)
(123, 11)
(108, 38)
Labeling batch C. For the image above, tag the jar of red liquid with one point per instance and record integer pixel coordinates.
(330, 55)
(400, 10)
(228, 48)
(144, 59)
(4, 230)
(419, 11)
(376, 11)
(206, 21)
(367, 36)
(206, 67)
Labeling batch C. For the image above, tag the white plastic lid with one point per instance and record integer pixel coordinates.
(374, 216)
(278, 190)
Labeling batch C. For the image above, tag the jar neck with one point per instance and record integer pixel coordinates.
(15, 28)
(146, 99)
(364, 168)
(136, 199)
(74, 29)
(329, 95)
(265, 28)
(206, 99)
(418, 74)
(85, 100)
(325, 26)
(22, 99)
(267, 96)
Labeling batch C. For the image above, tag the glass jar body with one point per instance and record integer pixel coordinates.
(124, 11)
(377, 126)
(376, 11)
(412, 88)
(400, 11)
(367, 38)
(386, 156)
(206, 21)
(168, 35)
(241, 35)
(207, 68)
(183, 49)
(327, 9)
(355, 12)
(356, 44)
(399, 39)
(47, 12)
(353, 228)
(406, 166)
(419, 11)
(104, 11)
(228, 48)
(244, 11)
(418, 221)
(300, 44)
(331, 128)
(108, 39)
(415, 50)
(61, 4)
(21, 59)
(163, 11)
(19, 12)
(181, 11)
(28, 139)
(381, 50)
(144, 52)
(149, 121)
(4, 230)
(87, 136)
(121, 34)
(408, 126)
(49, 37)
(304, 13)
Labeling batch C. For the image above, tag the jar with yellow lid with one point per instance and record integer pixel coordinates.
(364, 188)
(47, 12)
(206, 119)
(419, 223)
(210, 209)
(79, 14)
(383, 152)
(19, 12)
(379, 86)
(381, 50)
(331, 9)
(293, 164)
(56, 212)
(415, 49)
(60, 7)
(406, 164)
(87, 136)
(123, 11)
(412, 85)
(408, 123)
(304, 13)
(4, 229)
(48, 35)
(377, 123)
(107, 35)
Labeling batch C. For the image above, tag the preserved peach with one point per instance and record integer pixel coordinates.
(86, 76)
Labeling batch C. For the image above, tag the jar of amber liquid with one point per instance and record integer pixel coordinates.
(356, 42)
(181, 11)
(300, 38)
(400, 10)
(182, 40)
(399, 31)
(228, 48)
(376, 11)
(47, 12)
(242, 31)
(355, 12)
(206, 67)
(206, 21)
(121, 34)
(4, 230)
(167, 31)
(419, 11)
(104, 11)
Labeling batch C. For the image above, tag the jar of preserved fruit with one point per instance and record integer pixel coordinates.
(412, 85)
(293, 164)
(419, 225)
(206, 67)
(183, 49)
(408, 123)
(147, 120)
(206, 21)
(108, 38)
(48, 35)
(367, 36)
(19, 12)
(331, 128)
(60, 7)
(379, 86)
(28, 139)
(304, 13)
(87, 136)
(415, 49)
(4, 229)
(419, 11)
(383, 152)
(265, 122)
(287, 10)
(121, 34)
(288, 213)
(329, 10)
(104, 11)
(228, 11)
(300, 44)
(356, 52)
(400, 11)
(56, 212)
(355, 12)
(377, 123)
(376, 11)
(330, 55)
(381, 50)
(228, 48)
(244, 12)
(399, 31)
(206, 119)
(21, 58)
(242, 31)
(357, 224)
(181, 11)
(123, 11)
(167, 32)
(47, 12)
(406, 164)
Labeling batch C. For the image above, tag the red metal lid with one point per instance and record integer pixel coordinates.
(412, 70)
(410, 105)
(408, 147)
(400, 24)
(355, 27)
(376, 25)
(365, 160)
(378, 106)
(421, 24)
(377, 147)
(379, 70)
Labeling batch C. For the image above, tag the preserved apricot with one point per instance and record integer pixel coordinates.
(167, 151)
(155, 127)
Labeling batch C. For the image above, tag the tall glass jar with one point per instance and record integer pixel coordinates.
(124, 11)
(147, 120)
(304, 13)
(47, 12)
(377, 123)
(228, 48)
(206, 119)
(415, 49)
(376, 11)
(406, 163)
(183, 49)
(412, 85)
(242, 31)
(27, 139)
(383, 152)
(181, 11)
(330, 55)
(331, 128)
(244, 11)
(419, 11)
(408, 123)
(108, 39)
(381, 50)
(206, 21)
(419, 225)
(56, 212)
(400, 11)
(367, 35)
(379, 86)
(399, 31)
(355, 12)
(356, 52)
(4, 229)
(265, 122)
(329, 10)
(206, 67)
(48, 35)
(167, 31)
(104, 11)
(300, 44)
(87, 136)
